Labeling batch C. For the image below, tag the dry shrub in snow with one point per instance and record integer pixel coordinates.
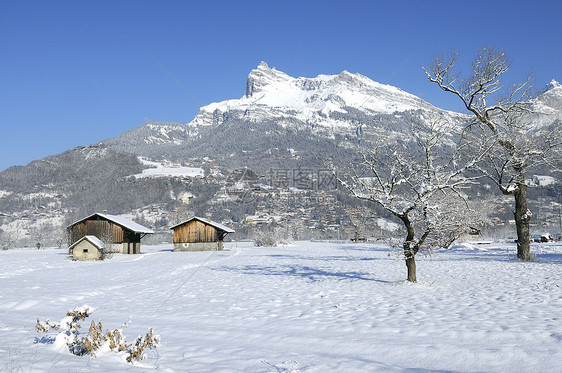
(149, 341)
(116, 340)
(95, 340)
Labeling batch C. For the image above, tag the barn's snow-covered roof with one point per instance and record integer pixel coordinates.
(119, 220)
(93, 240)
(209, 222)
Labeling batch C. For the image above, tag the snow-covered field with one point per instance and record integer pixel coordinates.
(310, 307)
(162, 171)
(158, 169)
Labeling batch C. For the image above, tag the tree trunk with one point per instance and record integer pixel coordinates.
(409, 251)
(411, 265)
(522, 219)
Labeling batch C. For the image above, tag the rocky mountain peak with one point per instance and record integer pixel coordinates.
(552, 85)
(551, 97)
(262, 76)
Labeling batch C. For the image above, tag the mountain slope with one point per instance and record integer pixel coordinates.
(85, 178)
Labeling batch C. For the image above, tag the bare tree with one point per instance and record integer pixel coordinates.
(6, 240)
(38, 235)
(108, 239)
(421, 185)
(64, 234)
(359, 217)
(520, 143)
(180, 213)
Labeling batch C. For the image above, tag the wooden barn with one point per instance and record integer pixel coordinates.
(119, 234)
(198, 234)
(87, 248)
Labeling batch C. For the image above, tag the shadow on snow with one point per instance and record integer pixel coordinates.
(303, 271)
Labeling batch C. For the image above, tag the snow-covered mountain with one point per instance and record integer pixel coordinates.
(546, 107)
(277, 111)
(550, 100)
(272, 93)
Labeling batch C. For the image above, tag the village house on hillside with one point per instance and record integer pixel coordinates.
(198, 234)
(87, 248)
(120, 235)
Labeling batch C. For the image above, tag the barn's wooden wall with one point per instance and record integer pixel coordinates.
(102, 229)
(195, 231)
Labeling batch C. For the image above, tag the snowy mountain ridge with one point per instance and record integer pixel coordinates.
(270, 92)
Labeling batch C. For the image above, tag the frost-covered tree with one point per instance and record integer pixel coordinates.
(108, 238)
(420, 183)
(359, 218)
(180, 213)
(6, 240)
(505, 116)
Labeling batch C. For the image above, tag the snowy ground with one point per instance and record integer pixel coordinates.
(310, 307)
(167, 170)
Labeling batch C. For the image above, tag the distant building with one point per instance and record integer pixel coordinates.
(120, 235)
(260, 219)
(87, 248)
(471, 234)
(198, 234)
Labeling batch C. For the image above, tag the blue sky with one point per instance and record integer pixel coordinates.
(74, 73)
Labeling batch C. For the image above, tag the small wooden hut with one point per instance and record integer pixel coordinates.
(119, 234)
(198, 234)
(87, 248)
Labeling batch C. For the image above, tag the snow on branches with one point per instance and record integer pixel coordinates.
(506, 115)
(421, 183)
